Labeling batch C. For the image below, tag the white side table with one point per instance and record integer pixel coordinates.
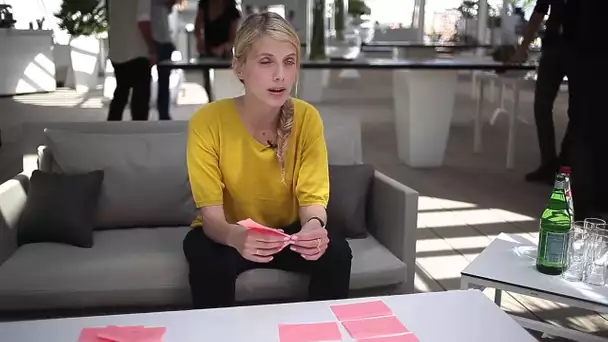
(507, 264)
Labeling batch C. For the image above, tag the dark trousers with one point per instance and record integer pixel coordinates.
(133, 75)
(163, 51)
(551, 71)
(215, 267)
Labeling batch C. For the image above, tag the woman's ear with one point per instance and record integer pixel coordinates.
(237, 68)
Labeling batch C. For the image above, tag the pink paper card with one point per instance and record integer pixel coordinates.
(92, 334)
(396, 338)
(346, 312)
(143, 334)
(328, 331)
(374, 327)
(251, 224)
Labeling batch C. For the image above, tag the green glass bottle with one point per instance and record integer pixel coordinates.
(555, 223)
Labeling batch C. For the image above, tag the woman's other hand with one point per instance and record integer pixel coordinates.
(257, 247)
(311, 241)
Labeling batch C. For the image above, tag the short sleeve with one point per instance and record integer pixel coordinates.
(312, 187)
(203, 160)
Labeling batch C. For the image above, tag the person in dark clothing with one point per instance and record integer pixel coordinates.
(551, 72)
(215, 27)
(583, 23)
(132, 53)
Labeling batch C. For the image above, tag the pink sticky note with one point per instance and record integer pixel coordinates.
(396, 338)
(345, 312)
(375, 327)
(251, 224)
(133, 334)
(92, 334)
(328, 331)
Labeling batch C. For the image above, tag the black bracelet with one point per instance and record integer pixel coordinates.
(318, 219)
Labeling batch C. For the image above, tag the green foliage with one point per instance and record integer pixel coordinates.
(358, 8)
(83, 17)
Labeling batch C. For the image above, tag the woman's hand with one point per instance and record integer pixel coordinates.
(311, 241)
(257, 247)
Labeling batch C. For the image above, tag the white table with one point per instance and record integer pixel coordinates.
(455, 316)
(508, 264)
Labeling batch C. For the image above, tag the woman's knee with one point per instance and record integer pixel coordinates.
(338, 251)
(203, 253)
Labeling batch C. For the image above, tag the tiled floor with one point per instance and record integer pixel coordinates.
(463, 205)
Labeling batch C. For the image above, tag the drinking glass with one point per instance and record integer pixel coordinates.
(575, 258)
(593, 223)
(596, 270)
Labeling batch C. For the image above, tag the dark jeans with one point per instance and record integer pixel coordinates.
(215, 267)
(131, 75)
(551, 71)
(164, 51)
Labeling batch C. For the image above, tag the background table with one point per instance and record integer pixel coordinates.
(455, 316)
(423, 92)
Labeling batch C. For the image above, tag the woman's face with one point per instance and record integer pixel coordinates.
(270, 71)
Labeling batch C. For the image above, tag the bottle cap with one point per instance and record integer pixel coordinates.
(564, 169)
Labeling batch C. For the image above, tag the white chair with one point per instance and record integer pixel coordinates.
(514, 81)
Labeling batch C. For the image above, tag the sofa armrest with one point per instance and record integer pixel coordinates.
(13, 194)
(394, 220)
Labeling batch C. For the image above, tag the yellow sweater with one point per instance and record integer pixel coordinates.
(228, 167)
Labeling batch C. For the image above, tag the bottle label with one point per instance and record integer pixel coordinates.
(554, 248)
(559, 185)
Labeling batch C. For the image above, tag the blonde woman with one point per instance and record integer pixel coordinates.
(261, 156)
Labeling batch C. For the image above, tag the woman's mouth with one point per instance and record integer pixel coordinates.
(277, 91)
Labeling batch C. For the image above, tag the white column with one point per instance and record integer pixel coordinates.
(482, 24)
(421, 15)
(503, 15)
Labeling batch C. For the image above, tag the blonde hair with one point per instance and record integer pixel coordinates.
(276, 27)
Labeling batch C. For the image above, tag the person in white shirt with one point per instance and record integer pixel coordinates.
(161, 32)
(132, 53)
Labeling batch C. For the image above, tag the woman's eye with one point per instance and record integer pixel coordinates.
(265, 61)
(290, 62)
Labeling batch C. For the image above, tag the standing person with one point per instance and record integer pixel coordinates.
(261, 156)
(161, 32)
(583, 28)
(551, 72)
(215, 27)
(132, 52)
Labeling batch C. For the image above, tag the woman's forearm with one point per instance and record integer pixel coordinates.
(216, 227)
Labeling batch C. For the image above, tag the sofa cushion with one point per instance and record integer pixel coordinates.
(146, 266)
(349, 187)
(146, 182)
(60, 208)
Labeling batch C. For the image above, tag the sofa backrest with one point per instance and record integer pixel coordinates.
(146, 181)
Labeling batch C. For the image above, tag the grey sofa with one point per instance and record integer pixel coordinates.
(144, 267)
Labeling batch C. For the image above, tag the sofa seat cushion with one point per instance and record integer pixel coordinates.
(146, 267)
